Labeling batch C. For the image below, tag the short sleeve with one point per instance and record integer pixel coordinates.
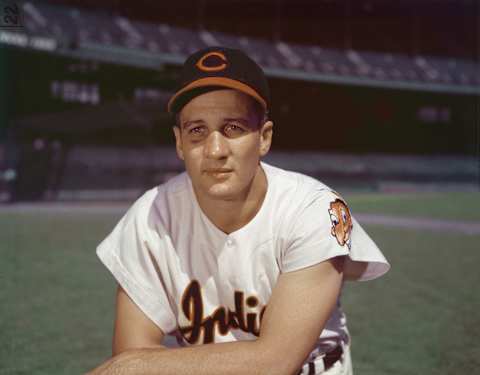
(323, 228)
(126, 252)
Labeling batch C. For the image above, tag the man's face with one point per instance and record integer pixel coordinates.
(221, 140)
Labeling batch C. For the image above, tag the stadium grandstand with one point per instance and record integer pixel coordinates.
(387, 94)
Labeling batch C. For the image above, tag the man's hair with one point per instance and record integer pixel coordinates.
(260, 113)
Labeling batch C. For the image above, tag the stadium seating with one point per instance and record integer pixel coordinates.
(75, 27)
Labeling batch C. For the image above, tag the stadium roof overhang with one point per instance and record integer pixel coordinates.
(133, 43)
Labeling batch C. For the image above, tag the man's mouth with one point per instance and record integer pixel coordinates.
(218, 172)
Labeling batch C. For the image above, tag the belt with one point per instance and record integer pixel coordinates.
(328, 360)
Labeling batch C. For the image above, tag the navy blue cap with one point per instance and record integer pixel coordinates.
(216, 67)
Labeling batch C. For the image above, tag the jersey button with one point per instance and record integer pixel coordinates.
(229, 242)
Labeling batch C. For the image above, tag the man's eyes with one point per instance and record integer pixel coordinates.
(234, 128)
(196, 130)
(229, 129)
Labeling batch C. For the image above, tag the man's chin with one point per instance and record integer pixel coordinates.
(220, 191)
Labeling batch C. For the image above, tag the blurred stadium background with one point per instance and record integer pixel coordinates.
(368, 94)
(379, 99)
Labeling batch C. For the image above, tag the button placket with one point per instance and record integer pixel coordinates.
(225, 264)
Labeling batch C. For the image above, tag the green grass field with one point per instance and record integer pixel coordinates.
(421, 318)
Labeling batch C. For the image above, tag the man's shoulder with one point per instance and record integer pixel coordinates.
(294, 182)
(160, 195)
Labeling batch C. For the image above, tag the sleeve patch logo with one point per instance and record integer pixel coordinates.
(341, 222)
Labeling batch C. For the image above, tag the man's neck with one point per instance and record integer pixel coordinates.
(244, 209)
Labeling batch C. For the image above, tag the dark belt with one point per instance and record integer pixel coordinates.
(328, 360)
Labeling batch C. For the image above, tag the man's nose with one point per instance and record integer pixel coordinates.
(216, 146)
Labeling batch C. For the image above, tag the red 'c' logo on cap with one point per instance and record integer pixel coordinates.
(222, 62)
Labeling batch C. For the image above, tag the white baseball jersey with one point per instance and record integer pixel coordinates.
(193, 280)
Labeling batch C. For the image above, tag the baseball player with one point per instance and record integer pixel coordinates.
(242, 261)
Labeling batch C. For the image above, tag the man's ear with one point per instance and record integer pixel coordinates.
(178, 141)
(266, 133)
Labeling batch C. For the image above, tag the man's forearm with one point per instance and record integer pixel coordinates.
(236, 358)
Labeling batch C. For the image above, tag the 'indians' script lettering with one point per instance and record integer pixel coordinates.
(223, 319)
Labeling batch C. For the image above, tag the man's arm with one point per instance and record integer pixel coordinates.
(297, 311)
(354, 270)
(133, 329)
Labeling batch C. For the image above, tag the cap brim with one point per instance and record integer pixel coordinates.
(214, 81)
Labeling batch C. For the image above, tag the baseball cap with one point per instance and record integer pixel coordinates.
(219, 67)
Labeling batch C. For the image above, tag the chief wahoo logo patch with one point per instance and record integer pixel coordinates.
(341, 222)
